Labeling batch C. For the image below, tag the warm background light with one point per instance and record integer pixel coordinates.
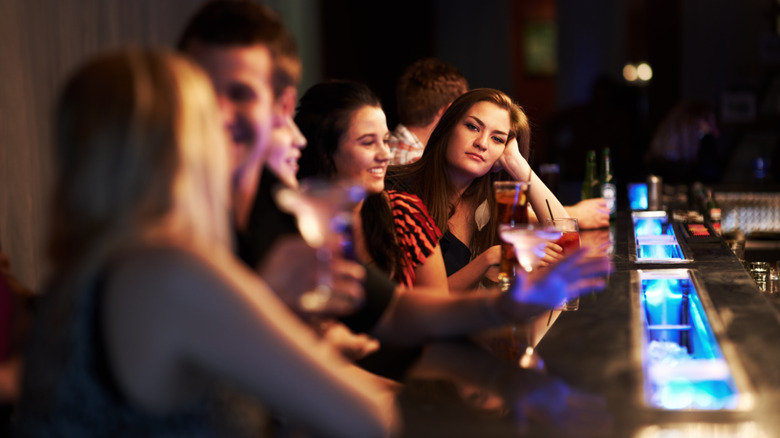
(629, 73)
(644, 71)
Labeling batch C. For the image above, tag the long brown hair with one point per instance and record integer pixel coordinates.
(429, 177)
(139, 157)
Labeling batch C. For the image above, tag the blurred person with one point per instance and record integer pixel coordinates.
(424, 91)
(148, 314)
(239, 59)
(253, 62)
(258, 91)
(683, 148)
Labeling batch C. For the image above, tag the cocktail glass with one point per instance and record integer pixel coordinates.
(570, 242)
(529, 243)
(511, 209)
(323, 210)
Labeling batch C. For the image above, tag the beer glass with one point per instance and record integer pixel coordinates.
(511, 209)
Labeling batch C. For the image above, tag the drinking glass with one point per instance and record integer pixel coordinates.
(760, 273)
(570, 242)
(511, 209)
(323, 210)
(528, 243)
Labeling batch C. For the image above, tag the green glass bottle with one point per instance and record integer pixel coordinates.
(713, 211)
(591, 182)
(608, 189)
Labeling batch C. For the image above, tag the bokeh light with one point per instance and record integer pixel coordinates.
(644, 71)
(629, 73)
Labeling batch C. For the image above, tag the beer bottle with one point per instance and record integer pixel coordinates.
(591, 183)
(608, 189)
(713, 212)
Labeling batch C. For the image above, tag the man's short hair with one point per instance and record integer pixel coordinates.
(244, 23)
(426, 86)
(231, 23)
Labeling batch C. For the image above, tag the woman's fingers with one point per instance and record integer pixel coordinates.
(348, 293)
(568, 278)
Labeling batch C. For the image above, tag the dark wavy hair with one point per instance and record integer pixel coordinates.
(323, 115)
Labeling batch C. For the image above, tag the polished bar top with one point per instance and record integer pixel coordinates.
(592, 382)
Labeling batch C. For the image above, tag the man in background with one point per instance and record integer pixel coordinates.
(424, 91)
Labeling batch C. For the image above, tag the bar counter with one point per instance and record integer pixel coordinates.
(592, 382)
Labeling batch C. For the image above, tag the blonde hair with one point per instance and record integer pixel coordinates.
(140, 154)
(140, 157)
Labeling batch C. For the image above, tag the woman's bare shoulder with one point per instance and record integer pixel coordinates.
(169, 271)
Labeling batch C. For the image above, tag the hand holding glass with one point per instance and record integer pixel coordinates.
(529, 243)
(323, 210)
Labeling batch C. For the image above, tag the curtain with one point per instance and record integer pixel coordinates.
(41, 42)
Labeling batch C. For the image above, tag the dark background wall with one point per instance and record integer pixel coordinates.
(697, 48)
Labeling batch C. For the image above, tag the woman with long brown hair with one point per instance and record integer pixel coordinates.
(347, 133)
(480, 133)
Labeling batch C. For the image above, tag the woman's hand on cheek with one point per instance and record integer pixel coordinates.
(501, 164)
(511, 154)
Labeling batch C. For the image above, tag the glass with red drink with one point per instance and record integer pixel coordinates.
(570, 242)
(511, 209)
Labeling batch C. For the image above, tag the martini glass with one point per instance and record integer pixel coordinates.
(529, 243)
(323, 210)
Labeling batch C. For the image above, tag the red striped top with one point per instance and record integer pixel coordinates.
(415, 232)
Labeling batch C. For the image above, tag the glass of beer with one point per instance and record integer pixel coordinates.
(511, 209)
(570, 242)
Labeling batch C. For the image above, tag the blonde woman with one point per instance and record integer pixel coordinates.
(147, 311)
